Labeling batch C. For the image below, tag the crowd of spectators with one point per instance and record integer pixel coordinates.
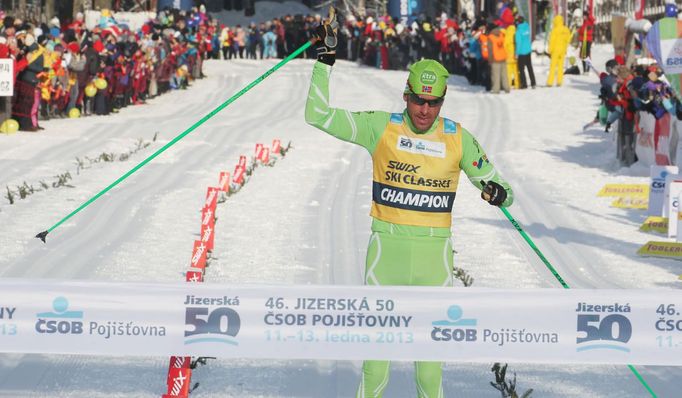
(642, 87)
(632, 89)
(68, 70)
(488, 50)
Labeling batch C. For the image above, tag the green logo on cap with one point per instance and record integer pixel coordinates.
(428, 77)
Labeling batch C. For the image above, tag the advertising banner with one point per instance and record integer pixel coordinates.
(672, 191)
(657, 188)
(655, 224)
(405, 10)
(6, 77)
(342, 322)
(670, 250)
(664, 41)
(624, 190)
(131, 20)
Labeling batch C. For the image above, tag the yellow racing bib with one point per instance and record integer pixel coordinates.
(415, 176)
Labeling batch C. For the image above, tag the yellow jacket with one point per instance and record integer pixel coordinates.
(509, 43)
(559, 37)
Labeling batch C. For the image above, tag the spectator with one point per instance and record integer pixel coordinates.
(270, 43)
(505, 14)
(523, 51)
(559, 39)
(586, 36)
(239, 42)
(484, 65)
(498, 61)
(512, 65)
(26, 112)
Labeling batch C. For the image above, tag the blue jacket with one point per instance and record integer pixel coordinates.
(522, 38)
(475, 48)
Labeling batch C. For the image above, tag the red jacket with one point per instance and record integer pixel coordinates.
(442, 38)
(586, 30)
(506, 16)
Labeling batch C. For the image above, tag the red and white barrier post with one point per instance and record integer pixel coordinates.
(178, 382)
(276, 147)
(224, 181)
(199, 255)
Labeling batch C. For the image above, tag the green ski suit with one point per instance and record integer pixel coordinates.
(399, 253)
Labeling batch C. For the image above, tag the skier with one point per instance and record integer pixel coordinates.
(417, 157)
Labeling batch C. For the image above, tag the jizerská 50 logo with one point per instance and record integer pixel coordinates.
(213, 322)
(601, 327)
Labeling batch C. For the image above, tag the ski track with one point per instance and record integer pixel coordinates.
(321, 209)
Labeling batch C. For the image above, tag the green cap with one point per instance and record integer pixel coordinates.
(427, 77)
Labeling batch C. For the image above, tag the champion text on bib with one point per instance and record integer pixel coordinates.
(415, 176)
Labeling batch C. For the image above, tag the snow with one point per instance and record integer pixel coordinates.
(305, 221)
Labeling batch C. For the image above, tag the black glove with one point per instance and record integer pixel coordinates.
(493, 193)
(326, 41)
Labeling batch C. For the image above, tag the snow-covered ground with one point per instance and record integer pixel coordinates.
(306, 221)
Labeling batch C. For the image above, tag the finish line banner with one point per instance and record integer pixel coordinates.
(639, 327)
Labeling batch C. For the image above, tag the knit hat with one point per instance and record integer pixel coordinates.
(427, 77)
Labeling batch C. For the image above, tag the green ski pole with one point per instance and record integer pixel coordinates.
(180, 136)
(563, 283)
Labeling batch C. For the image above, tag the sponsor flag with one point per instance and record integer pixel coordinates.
(259, 147)
(629, 202)
(674, 188)
(276, 146)
(194, 275)
(624, 190)
(664, 41)
(207, 216)
(264, 155)
(655, 224)
(208, 234)
(177, 363)
(672, 250)
(198, 255)
(211, 198)
(657, 188)
(242, 161)
(239, 175)
(224, 183)
(178, 382)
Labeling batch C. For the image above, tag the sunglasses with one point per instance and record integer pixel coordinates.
(417, 100)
